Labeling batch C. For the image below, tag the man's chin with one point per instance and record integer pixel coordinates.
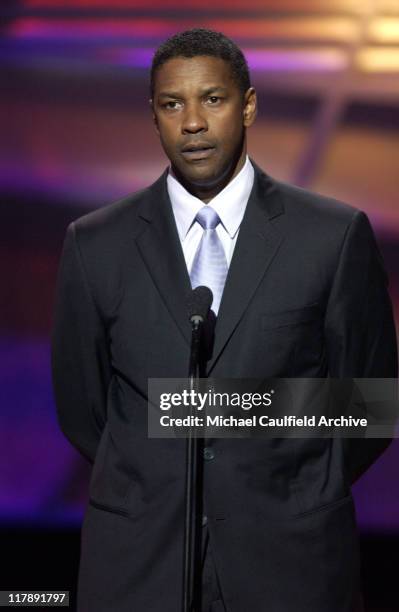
(200, 175)
(205, 179)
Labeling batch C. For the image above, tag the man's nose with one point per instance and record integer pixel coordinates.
(194, 120)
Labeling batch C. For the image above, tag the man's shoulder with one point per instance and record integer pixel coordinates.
(301, 201)
(320, 219)
(113, 215)
(304, 205)
(116, 220)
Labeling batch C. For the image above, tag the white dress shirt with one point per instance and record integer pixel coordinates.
(230, 204)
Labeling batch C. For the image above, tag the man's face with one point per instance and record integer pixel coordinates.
(200, 115)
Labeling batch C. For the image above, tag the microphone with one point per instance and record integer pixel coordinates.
(199, 303)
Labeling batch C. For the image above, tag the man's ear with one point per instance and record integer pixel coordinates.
(250, 106)
(154, 117)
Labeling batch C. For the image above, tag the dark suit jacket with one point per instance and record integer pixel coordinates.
(306, 296)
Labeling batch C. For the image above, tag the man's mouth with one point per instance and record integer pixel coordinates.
(197, 152)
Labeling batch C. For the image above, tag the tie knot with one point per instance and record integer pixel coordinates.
(207, 217)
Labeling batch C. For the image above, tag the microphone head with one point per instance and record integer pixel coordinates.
(199, 303)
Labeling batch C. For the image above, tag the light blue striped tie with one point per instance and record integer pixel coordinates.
(209, 266)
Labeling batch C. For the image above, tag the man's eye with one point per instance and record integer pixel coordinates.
(172, 105)
(213, 99)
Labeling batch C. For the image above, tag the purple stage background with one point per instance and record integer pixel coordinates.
(77, 134)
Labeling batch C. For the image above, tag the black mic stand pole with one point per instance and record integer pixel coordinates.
(199, 304)
(191, 518)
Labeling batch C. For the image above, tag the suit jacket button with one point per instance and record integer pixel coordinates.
(209, 453)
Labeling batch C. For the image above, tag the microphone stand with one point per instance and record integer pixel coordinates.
(193, 498)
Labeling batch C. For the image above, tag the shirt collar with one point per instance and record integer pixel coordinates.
(230, 203)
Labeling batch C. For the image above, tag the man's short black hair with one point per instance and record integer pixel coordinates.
(201, 41)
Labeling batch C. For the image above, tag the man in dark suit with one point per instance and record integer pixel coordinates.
(305, 296)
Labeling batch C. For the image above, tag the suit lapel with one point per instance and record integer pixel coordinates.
(162, 253)
(257, 244)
